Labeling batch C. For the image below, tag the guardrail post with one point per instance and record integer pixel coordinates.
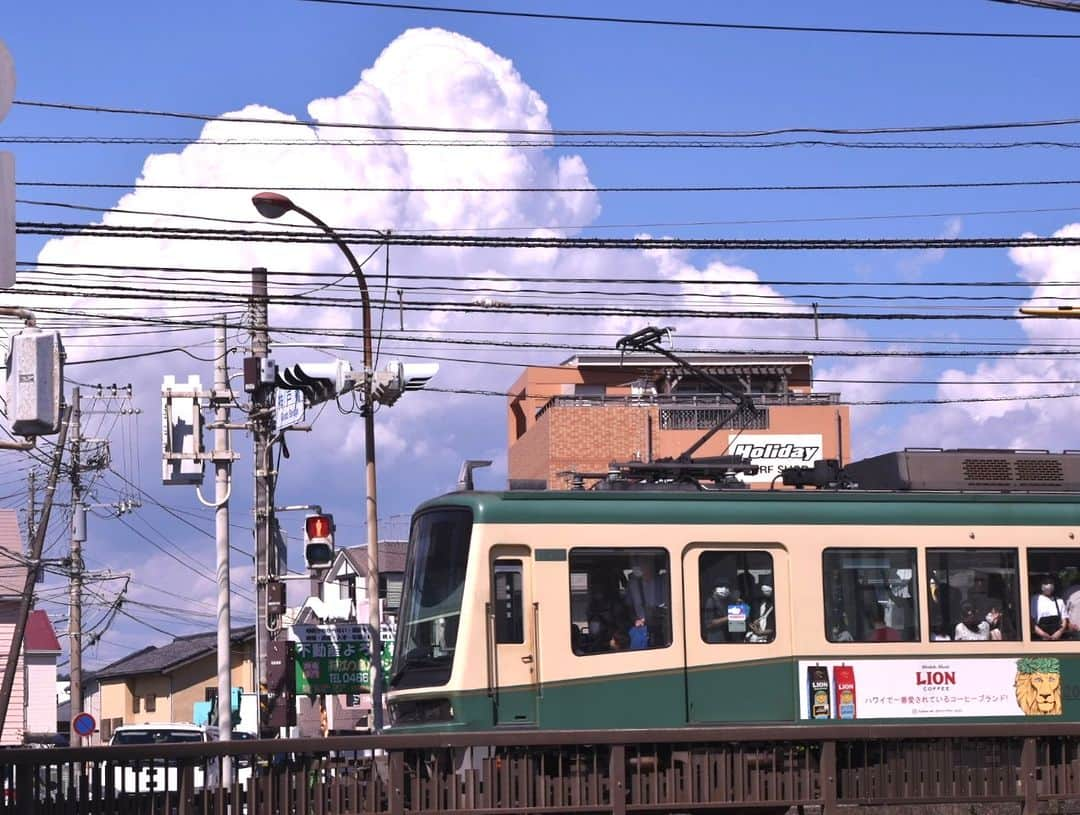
(617, 779)
(24, 789)
(396, 793)
(1029, 782)
(828, 778)
(185, 788)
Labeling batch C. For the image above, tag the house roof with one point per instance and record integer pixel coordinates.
(391, 556)
(40, 638)
(12, 570)
(153, 659)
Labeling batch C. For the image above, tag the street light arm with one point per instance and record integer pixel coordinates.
(358, 272)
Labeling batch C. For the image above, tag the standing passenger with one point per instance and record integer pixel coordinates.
(1048, 620)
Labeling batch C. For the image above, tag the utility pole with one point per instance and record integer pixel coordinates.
(78, 535)
(31, 509)
(36, 546)
(222, 488)
(260, 429)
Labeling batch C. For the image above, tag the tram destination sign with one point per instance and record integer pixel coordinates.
(336, 658)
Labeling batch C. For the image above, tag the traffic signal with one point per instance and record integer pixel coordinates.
(318, 541)
(318, 381)
(388, 385)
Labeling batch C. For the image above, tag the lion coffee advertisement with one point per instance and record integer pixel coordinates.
(902, 688)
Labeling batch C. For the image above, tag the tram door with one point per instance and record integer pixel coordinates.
(737, 619)
(512, 665)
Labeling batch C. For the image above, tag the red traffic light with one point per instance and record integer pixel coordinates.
(319, 527)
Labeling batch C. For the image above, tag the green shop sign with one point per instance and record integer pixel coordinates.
(337, 658)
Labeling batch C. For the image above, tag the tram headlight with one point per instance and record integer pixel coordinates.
(420, 711)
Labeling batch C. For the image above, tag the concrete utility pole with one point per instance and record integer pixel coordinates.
(261, 415)
(34, 558)
(222, 488)
(31, 509)
(78, 536)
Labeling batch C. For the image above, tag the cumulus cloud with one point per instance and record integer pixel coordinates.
(427, 76)
(1028, 419)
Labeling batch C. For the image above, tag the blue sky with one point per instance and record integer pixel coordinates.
(221, 57)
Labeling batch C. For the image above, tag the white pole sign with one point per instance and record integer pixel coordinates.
(7, 177)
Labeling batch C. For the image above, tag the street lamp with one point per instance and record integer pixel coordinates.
(274, 205)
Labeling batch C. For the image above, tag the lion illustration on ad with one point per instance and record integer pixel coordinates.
(1038, 686)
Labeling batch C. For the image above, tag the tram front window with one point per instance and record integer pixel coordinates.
(431, 604)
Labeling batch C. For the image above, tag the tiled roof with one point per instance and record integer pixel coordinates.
(161, 659)
(12, 571)
(40, 636)
(391, 556)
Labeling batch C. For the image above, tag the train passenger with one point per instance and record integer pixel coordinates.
(762, 622)
(1072, 610)
(647, 592)
(620, 641)
(1000, 625)
(724, 616)
(1048, 620)
(944, 605)
(882, 632)
(971, 627)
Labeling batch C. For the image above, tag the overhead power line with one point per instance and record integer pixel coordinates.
(370, 238)
(573, 227)
(517, 131)
(650, 144)
(589, 188)
(705, 24)
(1054, 5)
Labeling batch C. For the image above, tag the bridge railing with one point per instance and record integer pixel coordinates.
(713, 768)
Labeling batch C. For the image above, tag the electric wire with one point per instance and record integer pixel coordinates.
(704, 24)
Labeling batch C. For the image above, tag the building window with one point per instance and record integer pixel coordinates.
(151, 702)
(209, 693)
(1054, 590)
(870, 595)
(507, 602)
(973, 594)
(738, 603)
(620, 599)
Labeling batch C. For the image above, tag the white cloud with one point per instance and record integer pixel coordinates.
(425, 76)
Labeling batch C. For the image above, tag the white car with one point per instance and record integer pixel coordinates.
(155, 775)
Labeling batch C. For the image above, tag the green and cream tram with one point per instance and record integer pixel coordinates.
(653, 608)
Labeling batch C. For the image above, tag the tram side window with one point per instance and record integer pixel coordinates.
(870, 595)
(620, 600)
(738, 603)
(973, 595)
(1054, 594)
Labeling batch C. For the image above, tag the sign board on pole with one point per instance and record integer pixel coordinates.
(288, 408)
(336, 658)
(83, 724)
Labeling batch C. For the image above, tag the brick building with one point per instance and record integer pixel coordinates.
(595, 409)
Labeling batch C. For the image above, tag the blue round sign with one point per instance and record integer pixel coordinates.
(83, 724)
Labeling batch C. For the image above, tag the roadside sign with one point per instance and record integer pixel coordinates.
(332, 658)
(336, 658)
(288, 408)
(83, 724)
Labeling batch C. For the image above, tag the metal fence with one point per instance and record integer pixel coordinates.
(688, 770)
